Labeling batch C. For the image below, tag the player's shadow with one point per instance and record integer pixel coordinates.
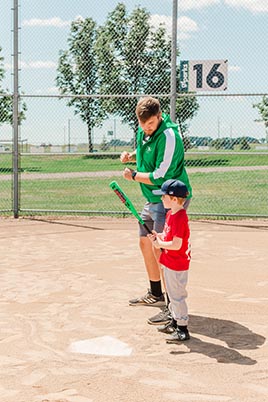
(236, 337)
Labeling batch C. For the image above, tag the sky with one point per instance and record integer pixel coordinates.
(207, 29)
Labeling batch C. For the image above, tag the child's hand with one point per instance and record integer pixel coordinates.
(153, 237)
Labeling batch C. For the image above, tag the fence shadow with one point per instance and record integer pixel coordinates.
(56, 222)
(21, 170)
(206, 162)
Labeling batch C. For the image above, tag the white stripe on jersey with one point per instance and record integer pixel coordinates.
(168, 154)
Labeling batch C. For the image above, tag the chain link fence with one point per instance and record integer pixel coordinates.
(227, 168)
(78, 92)
(6, 149)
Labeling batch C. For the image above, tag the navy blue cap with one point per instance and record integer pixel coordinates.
(173, 187)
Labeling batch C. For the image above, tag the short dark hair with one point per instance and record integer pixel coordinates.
(147, 107)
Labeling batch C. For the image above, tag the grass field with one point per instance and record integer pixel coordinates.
(219, 193)
(232, 192)
(82, 163)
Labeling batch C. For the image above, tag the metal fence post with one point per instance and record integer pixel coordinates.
(173, 84)
(15, 111)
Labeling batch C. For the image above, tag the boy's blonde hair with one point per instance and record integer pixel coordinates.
(180, 200)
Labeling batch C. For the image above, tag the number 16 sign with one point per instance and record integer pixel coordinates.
(203, 75)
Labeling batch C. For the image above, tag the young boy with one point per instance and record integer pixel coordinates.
(175, 256)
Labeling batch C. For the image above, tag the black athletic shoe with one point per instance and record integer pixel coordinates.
(169, 328)
(178, 336)
(163, 317)
(148, 300)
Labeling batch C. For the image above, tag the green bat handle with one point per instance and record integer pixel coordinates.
(125, 200)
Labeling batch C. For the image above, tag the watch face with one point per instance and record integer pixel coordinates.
(133, 174)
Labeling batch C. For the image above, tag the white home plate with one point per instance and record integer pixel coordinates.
(104, 345)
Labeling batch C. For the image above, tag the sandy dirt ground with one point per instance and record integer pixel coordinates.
(67, 333)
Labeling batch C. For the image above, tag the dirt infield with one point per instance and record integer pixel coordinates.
(67, 333)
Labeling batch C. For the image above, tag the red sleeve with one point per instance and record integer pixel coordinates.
(179, 224)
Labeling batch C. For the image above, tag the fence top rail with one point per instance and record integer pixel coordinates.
(179, 95)
(227, 153)
(93, 96)
(119, 153)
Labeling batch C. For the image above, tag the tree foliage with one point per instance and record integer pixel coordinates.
(77, 74)
(263, 110)
(120, 49)
(244, 145)
(124, 57)
(6, 101)
(135, 58)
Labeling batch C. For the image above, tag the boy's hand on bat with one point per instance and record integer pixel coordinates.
(154, 239)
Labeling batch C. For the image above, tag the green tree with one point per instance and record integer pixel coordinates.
(135, 58)
(263, 111)
(6, 101)
(244, 145)
(217, 143)
(122, 60)
(77, 74)
(187, 143)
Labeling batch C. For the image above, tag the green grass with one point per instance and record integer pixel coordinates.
(60, 164)
(230, 193)
(225, 160)
(213, 193)
(91, 194)
(81, 163)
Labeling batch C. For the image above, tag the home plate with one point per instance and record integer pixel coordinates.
(104, 345)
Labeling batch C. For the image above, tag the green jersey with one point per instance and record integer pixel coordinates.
(161, 155)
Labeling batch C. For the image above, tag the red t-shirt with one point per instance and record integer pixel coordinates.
(177, 226)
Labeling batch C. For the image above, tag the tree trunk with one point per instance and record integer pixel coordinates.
(135, 135)
(180, 128)
(90, 145)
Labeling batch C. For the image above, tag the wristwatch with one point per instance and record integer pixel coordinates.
(133, 174)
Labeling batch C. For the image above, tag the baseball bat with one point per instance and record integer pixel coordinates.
(126, 201)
